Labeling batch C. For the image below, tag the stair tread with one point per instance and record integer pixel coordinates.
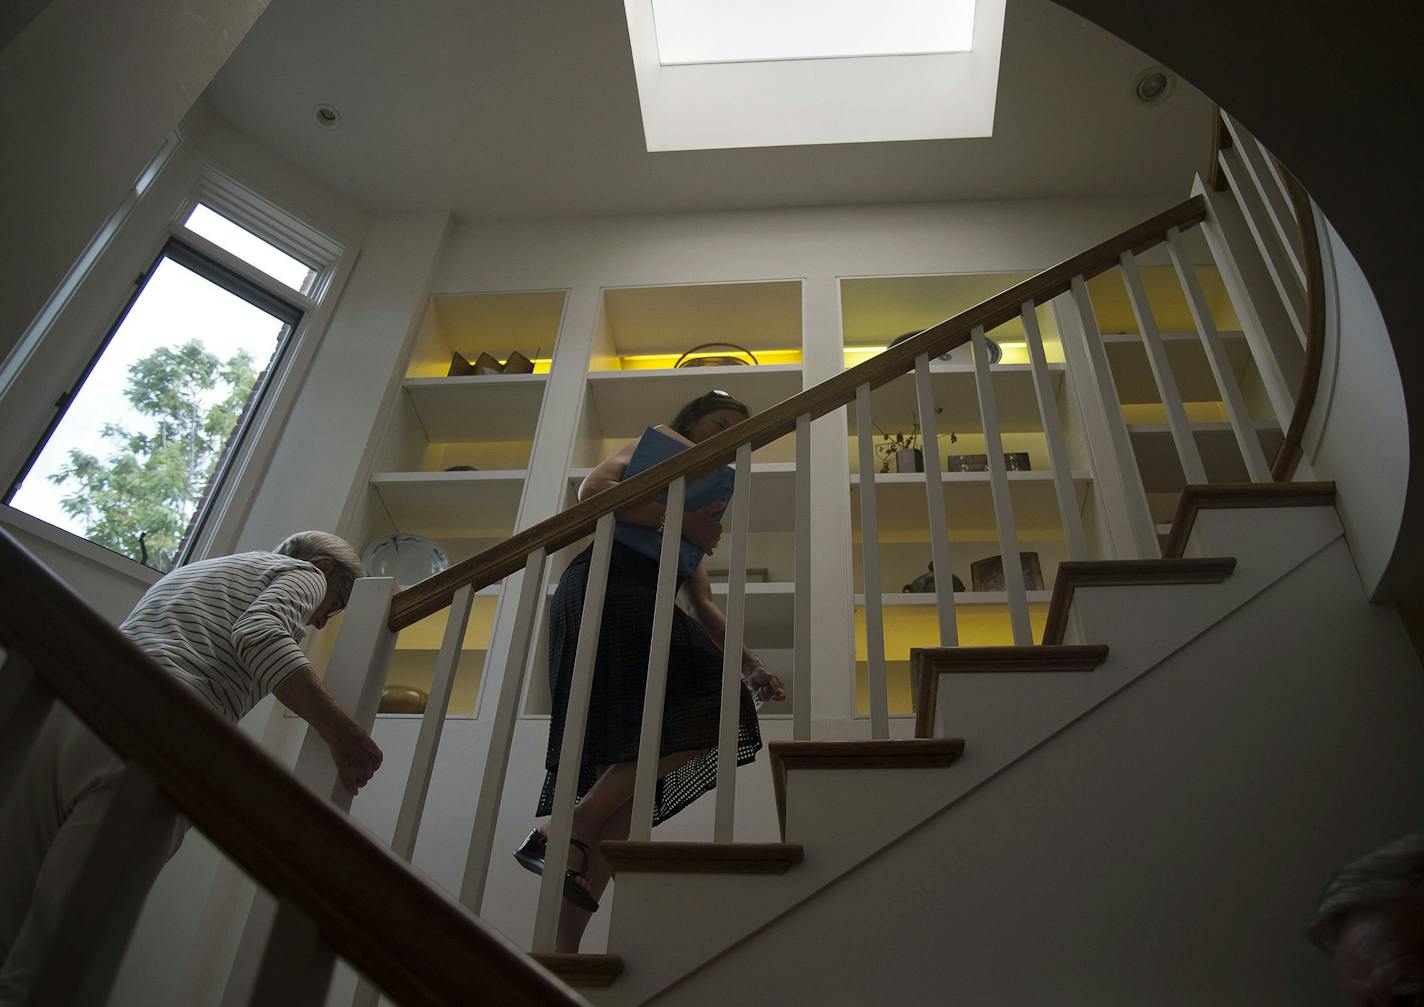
(913, 753)
(928, 663)
(1198, 497)
(1124, 572)
(583, 970)
(701, 858)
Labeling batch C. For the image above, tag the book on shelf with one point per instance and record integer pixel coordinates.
(657, 446)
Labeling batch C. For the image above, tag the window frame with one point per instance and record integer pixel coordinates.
(284, 307)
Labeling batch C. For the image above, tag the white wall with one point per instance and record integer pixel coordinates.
(1359, 433)
(1167, 849)
(88, 94)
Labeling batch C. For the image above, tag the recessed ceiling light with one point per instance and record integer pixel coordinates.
(327, 117)
(1153, 85)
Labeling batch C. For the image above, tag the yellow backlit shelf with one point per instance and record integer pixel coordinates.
(1216, 442)
(773, 495)
(1132, 373)
(895, 407)
(493, 407)
(969, 503)
(628, 402)
(461, 504)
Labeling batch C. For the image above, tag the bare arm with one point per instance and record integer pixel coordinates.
(357, 756)
(609, 473)
(705, 610)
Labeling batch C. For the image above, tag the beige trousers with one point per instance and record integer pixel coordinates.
(47, 826)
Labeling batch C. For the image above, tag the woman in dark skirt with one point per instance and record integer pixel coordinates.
(687, 767)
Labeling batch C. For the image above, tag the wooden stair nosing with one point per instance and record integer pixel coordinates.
(1198, 497)
(701, 858)
(583, 970)
(931, 662)
(1122, 573)
(916, 753)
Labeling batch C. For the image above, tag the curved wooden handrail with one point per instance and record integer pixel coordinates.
(413, 941)
(1289, 454)
(497, 562)
(1220, 140)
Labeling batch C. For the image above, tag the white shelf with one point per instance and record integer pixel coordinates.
(1132, 374)
(481, 407)
(895, 409)
(968, 502)
(462, 504)
(960, 598)
(628, 402)
(1220, 454)
(773, 496)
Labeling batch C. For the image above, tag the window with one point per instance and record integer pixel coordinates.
(141, 442)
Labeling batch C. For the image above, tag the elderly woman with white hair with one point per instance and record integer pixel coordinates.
(231, 629)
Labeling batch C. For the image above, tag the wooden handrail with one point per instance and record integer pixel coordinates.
(413, 941)
(1220, 140)
(1289, 454)
(499, 561)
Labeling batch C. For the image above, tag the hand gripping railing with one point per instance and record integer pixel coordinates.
(364, 904)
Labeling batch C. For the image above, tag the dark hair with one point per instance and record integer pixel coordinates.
(699, 407)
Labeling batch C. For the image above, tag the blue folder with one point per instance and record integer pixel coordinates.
(653, 447)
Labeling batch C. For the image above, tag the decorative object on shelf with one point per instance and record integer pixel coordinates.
(410, 559)
(925, 583)
(403, 699)
(987, 574)
(485, 363)
(715, 360)
(461, 468)
(1014, 461)
(901, 449)
(755, 575)
(960, 354)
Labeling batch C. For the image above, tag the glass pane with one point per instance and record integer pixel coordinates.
(138, 444)
(250, 248)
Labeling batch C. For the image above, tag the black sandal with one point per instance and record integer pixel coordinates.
(531, 854)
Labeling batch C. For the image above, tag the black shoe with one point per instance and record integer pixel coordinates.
(531, 857)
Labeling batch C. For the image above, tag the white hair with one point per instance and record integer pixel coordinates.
(318, 545)
(1374, 880)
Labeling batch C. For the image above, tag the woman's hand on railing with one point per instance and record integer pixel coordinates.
(764, 685)
(701, 527)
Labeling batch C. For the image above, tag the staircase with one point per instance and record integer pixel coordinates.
(900, 872)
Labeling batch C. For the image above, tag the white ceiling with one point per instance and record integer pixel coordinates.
(501, 110)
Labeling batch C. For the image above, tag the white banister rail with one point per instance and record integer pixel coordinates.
(1241, 424)
(506, 714)
(1182, 437)
(1058, 459)
(732, 686)
(870, 570)
(1271, 188)
(801, 611)
(560, 828)
(999, 490)
(934, 501)
(1268, 240)
(645, 783)
(1138, 515)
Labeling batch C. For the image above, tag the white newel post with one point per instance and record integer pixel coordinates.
(280, 949)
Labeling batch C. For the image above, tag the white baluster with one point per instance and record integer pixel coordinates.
(506, 714)
(560, 828)
(1003, 501)
(1162, 371)
(25, 702)
(1236, 412)
(934, 499)
(130, 847)
(650, 739)
(1138, 516)
(279, 943)
(1288, 284)
(427, 742)
(1058, 459)
(732, 651)
(870, 570)
(1271, 187)
(801, 669)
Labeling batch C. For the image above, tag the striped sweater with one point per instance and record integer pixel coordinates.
(230, 627)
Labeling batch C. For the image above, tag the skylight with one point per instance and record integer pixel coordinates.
(772, 73)
(696, 31)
